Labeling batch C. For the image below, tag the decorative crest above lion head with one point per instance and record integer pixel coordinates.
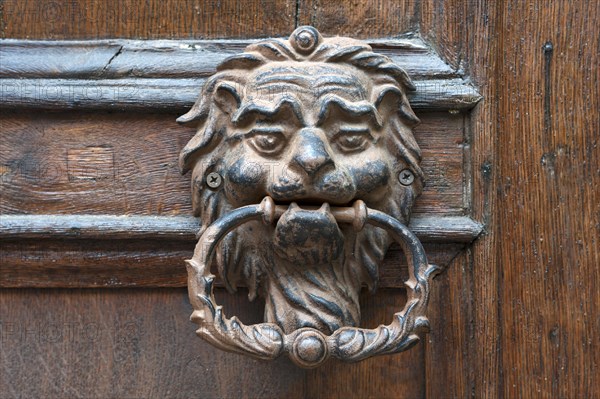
(306, 121)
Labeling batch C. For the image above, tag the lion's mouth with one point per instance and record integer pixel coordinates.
(308, 234)
(312, 203)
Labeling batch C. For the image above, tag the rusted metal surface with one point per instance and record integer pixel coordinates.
(306, 339)
(322, 130)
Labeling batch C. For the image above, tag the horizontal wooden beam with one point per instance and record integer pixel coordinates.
(83, 251)
(163, 75)
(60, 263)
(114, 59)
(448, 229)
(177, 95)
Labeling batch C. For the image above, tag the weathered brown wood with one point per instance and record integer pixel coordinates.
(392, 376)
(457, 229)
(532, 324)
(148, 251)
(119, 58)
(72, 176)
(178, 95)
(94, 263)
(444, 24)
(55, 263)
(35, 154)
(118, 343)
(535, 156)
(484, 350)
(548, 206)
(91, 19)
(360, 19)
(463, 351)
(101, 227)
(166, 75)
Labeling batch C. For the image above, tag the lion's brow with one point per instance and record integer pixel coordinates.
(353, 108)
(269, 109)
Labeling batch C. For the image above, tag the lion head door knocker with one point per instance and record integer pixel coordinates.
(304, 169)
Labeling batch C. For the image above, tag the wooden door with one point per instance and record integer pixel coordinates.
(103, 312)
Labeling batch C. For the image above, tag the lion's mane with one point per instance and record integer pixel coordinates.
(243, 258)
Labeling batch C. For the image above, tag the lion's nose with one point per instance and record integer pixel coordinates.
(312, 154)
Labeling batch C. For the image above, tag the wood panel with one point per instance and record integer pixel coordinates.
(148, 263)
(464, 348)
(450, 353)
(82, 163)
(360, 19)
(165, 19)
(148, 251)
(534, 306)
(515, 316)
(480, 33)
(548, 199)
(391, 376)
(444, 24)
(120, 58)
(140, 343)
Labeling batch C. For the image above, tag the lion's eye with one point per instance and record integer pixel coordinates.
(353, 140)
(267, 141)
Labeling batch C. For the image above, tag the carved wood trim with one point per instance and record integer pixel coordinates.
(164, 75)
(154, 76)
(53, 251)
(448, 229)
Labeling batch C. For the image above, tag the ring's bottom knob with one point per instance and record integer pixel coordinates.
(309, 349)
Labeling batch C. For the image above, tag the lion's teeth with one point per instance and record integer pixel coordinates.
(324, 208)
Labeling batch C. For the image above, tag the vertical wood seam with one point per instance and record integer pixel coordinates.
(496, 227)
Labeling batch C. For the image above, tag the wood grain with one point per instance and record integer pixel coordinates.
(164, 75)
(454, 229)
(148, 251)
(360, 19)
(72, 175)
(34, 155)
(140, 343)
(178, 95)
(121, 58)
(532, 314)
(165, 19)
(464, 350)
(515, 316)
(548, 199)
(56, 263)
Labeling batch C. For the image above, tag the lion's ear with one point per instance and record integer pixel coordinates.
(224, 95)
(198, 111)
(227, 98)
(393, 99)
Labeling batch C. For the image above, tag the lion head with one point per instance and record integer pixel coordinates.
(306, 121)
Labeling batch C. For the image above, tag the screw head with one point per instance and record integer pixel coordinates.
(214, 180)
(406, 177)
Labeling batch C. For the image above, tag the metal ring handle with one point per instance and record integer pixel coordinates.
(308, 347)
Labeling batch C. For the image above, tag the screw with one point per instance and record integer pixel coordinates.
(406, 177)
(214, 180)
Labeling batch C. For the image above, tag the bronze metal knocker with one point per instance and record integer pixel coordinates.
(304, 169)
